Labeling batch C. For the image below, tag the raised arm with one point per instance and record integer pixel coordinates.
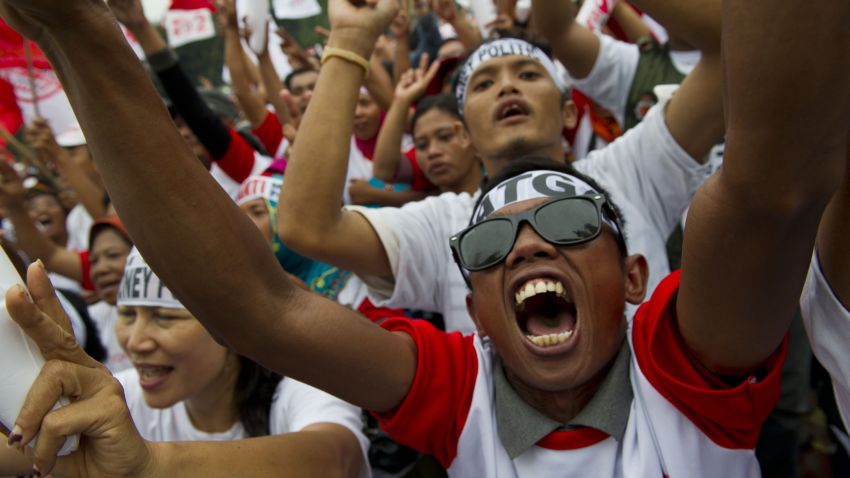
(40, 137)
(409, 89)
(573, 44)
(695, 113)
(158, 188)
(27, 236)
(752, 226)
(633, 26)
(309, 219)
(236, 60)
(467, 32)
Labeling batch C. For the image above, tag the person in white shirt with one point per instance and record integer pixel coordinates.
(185, 386)
(549, 271)
(514, 105)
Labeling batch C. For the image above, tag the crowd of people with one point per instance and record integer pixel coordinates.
(541, 238)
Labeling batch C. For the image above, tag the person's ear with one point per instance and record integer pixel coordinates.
(470, 307)
(636, 273)
(570, 114)
(463, 136)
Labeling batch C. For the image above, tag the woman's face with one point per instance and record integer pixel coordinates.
(367, 117)
(175, 356)
(443, 150)
(46, 211)
(107, 258)
(258, 211)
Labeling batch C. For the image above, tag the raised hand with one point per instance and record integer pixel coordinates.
(357, 26)
(40, 137)
(400, 27)
(110, 444)
(227, 18)
(12, 190)
(413, 83)
(445, 9)
(129, 12)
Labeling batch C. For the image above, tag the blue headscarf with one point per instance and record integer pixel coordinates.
(322, 278)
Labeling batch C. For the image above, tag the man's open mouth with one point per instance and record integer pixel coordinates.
(511, 109)
(544, 312)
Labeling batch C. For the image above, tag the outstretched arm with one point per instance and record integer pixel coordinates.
(752, 226)
(158, 189)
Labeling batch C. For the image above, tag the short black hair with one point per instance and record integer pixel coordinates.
(445, 102)
(287, 81)
(536, 163)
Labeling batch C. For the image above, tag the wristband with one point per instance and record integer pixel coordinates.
(346, 55)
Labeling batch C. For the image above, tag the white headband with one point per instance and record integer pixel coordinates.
(500, 48)
(265, 187)
(141, 287)
(530, 185)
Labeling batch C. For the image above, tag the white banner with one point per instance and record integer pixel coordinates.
(594, 13)
(295, 9)
(188, 26)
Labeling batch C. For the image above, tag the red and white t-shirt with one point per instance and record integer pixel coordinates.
(681, 422)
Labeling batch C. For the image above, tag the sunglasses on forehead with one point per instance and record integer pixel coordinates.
(564, 221)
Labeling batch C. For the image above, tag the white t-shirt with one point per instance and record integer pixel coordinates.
(649, 176)
(677, 422)
(611, 78)
(78, 223)
(827, 322)
(295, 407)
(359, 167)
(104, 317)
(230, 186)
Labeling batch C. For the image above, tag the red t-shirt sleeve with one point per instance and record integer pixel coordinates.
(731, 416)
(85, 267)
(420, 182)
(432, 415)
(270, 133)
(238, 161)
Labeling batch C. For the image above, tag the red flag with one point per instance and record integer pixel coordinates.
(44, 87)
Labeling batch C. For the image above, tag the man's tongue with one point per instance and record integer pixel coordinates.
(540, 324)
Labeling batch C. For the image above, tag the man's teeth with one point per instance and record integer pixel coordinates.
(539, 286)
(550, 339)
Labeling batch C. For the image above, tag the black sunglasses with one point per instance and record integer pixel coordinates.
(565, 221)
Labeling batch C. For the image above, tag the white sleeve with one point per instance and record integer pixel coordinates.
(416, 240)
(298, 405)
(611, 78)
(648, 168)
(827, 322)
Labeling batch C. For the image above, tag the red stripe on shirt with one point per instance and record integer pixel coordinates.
(431, 417)
(731, 416)
(238, 161)
(270, 133)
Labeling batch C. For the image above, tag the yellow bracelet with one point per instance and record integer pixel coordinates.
(346, 55)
